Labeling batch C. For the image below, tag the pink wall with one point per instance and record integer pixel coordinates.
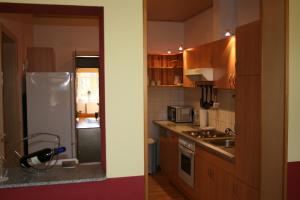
(65, 35)
(293, 180)
(111, 189)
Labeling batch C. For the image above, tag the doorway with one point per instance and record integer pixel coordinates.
(11, 129)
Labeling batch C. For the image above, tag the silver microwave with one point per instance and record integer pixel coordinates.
(180, 114)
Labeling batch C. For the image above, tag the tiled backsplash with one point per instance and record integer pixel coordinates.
(158, 100)
(221, 119)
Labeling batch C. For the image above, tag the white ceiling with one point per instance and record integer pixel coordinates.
(176, 10)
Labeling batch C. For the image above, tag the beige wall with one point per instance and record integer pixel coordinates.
(164, 36)
(247, 11)
(65, 35)
(224, 15)
(199, 29)
(294, 83)
(158, 100)
(124, 64)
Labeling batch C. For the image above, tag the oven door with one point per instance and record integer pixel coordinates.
(186, 165)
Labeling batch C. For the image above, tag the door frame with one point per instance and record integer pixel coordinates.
(17, 91)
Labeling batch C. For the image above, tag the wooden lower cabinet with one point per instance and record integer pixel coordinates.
(163, 153)
(169, 154)
(213, 177)
(242, 191)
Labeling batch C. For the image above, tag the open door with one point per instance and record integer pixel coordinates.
(10, 107)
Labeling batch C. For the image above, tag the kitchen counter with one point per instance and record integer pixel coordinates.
(19, 177)
(90, 122)
(178, 128)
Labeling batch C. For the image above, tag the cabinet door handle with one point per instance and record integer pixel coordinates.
(230, 80)
(233, 80)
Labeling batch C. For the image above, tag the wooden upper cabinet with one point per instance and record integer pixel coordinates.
(198, 57)
(223, 62)
(248, 129)
(41, 59)
(248, 49)
(219, 55)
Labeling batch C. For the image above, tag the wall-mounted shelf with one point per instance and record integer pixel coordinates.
(166, 69)
(165, 86)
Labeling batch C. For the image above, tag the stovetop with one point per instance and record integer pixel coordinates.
(202, 134)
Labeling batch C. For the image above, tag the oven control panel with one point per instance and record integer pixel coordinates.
(187, 144)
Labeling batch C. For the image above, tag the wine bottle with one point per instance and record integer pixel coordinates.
(40, 156)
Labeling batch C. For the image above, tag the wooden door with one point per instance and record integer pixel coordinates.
(248, 129)
(248, 49)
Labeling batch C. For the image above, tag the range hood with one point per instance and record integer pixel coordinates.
(200, 74)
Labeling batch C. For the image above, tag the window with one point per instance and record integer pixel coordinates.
(87, 90)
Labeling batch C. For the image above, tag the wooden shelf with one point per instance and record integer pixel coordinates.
(165, 68)
(164, 86)
(175, 67)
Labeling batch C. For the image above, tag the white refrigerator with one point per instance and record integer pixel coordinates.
(51, 109)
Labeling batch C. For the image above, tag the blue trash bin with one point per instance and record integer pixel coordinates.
(152, 156)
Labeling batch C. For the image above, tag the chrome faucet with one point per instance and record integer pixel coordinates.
(230, 132)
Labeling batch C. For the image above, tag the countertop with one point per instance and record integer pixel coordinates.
(90, 122)
(19, 177)
(178, 128)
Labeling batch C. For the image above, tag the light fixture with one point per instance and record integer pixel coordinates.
(227, 34)
(169, 52)
(180, 48)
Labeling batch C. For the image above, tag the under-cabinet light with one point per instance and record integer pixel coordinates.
(227, 34)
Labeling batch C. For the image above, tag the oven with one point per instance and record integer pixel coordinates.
(186, 160)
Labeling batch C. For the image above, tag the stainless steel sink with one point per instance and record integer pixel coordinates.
(226, 143)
